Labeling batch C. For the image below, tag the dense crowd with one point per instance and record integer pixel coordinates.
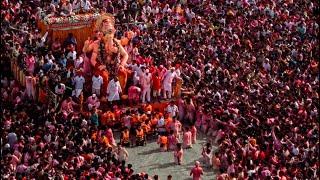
(249, 69)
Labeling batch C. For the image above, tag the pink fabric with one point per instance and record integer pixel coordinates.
(172, 142)
(94, 102)
(187, 138)
(193, 134)
(110, 136)
(14, 161)
(134, 93)
(30, 61)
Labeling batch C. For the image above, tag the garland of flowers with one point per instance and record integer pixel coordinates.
(71, 19)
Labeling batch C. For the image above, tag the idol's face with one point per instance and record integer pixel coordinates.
(107, 27)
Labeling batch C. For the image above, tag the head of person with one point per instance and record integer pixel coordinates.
(156, 177)
(197, 164)
(94, 96)
(96, 74)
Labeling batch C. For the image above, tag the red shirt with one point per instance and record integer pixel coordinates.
(156, 82)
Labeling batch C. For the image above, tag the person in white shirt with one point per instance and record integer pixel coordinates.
(266, 65)
(86, 5)
(78, 81)
(93, 101)
(167, 83)
(78, 62)
(114, 90)
(72, 54)
(172, 109)
(136, 78)
(66, 9)
(50, 57)
(146, 86)
(161, 126)
(97, 82)
(121, 153)
(76, 5)
(60, 88)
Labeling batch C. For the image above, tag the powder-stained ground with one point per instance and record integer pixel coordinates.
(150, 160)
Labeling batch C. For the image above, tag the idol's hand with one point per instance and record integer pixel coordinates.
(86, 46)
(88, 42)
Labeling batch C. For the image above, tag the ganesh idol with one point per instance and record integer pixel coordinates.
(107, 56)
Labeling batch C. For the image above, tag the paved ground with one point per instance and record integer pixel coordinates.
(150, 160)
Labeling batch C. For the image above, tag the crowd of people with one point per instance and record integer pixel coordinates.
(249, 69)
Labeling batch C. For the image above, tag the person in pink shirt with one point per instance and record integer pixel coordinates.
(67, 106)
(196, 171)
(93, 101)
(134, 94)
(14, 162)
(176, 127)
(193, 134)
(30, 86)
(181, 108)
(178, 154)
(127, 120)
(30, 61)
(110, 137)
(187, 142)
(172, 140)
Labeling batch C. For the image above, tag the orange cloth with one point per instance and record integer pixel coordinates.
(140, 133)
(105, 141)
(163, 140)
(168, 121)
(143, 117)
(159, 106)
(146, 127)
(124, 41)
(81, 34)
(148, 108)
(94, 136)
(123, 77)
(107, 118)
(135, 119)
(154, 121)
(125, 136)
(177, 87)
